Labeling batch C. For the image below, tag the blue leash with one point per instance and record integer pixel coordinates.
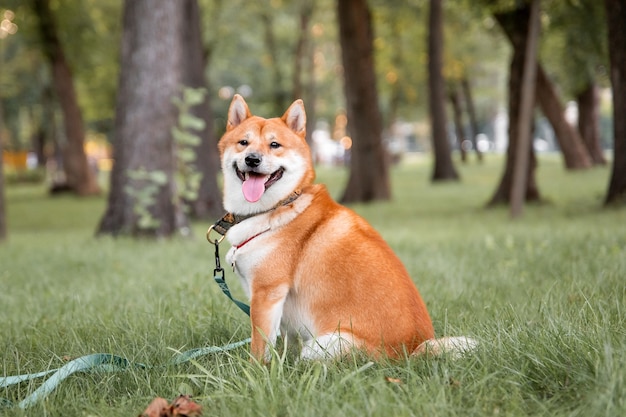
(105, 362)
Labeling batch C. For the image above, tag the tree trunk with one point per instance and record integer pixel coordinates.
(443, 169)
(574, 152)
(525, 116)
(397, 60)
(471, 112)
(79, 176)
(588, 122)
(142, 198)
(306, 10)
(304, 70)
(369, 176)
(208, 202)
(455, 100)
(616, 16)
(280, 96)
(517, 23)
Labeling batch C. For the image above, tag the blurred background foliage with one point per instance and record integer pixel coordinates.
(250, 49)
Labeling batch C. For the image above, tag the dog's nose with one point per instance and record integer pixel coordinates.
(253, 160)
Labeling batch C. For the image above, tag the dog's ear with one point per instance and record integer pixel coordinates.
(237, 112)
(295, 117)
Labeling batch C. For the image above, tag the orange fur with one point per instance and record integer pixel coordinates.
(313, 267)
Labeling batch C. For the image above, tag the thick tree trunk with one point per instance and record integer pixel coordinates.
(574, 152)
(588, 122)
(471, 112)
(208, 202)
(369, 176)
(454, 96)
(517, 23)
(79, 176)
(142, 198)
(443, 169)
(616, 16)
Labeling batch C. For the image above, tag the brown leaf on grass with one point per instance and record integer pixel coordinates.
(157, 408)
(182, 406)
(392, 380)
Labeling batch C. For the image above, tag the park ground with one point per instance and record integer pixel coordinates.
(544, 295)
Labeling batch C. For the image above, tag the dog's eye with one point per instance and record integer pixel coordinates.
(243, 142)
(274, 145)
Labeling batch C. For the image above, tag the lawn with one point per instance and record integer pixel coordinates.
(545, 295)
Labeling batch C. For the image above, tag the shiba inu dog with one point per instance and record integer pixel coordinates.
(311, 267)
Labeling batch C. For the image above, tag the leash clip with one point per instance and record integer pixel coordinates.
(214, 241)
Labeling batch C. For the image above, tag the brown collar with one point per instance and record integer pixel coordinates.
(229, 219)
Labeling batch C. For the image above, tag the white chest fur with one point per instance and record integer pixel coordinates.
(253, 244)
(250, 246)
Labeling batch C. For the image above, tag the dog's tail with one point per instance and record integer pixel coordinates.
(453, 346)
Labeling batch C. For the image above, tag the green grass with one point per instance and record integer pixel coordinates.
(545, 295)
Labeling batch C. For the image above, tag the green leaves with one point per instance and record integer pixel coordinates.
(182, 137)
(145, 183)
(143, 189)
(186, 141)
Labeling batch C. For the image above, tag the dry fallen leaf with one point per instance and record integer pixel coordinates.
(182, 406)
(393, 380)
(157, 408)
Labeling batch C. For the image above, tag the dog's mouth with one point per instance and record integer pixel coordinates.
(255, 183)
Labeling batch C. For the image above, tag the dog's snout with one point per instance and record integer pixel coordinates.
(253, 160)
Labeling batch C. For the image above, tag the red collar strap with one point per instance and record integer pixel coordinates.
(250, 238)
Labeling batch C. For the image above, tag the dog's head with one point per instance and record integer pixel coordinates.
(263, 160)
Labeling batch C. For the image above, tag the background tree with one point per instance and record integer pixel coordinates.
(79, 176)
(575, 155)
(369, 176)
(142, 197)
(576, 38)
(525, 115)
(616, 16)
(208, 198)
(588, 104)
(465, 37)
(443, 168)
(280, 96)
(303, 66)
(471, 114)
(516, 22)
(455, 98)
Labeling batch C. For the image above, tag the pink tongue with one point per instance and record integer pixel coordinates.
(253, 188)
